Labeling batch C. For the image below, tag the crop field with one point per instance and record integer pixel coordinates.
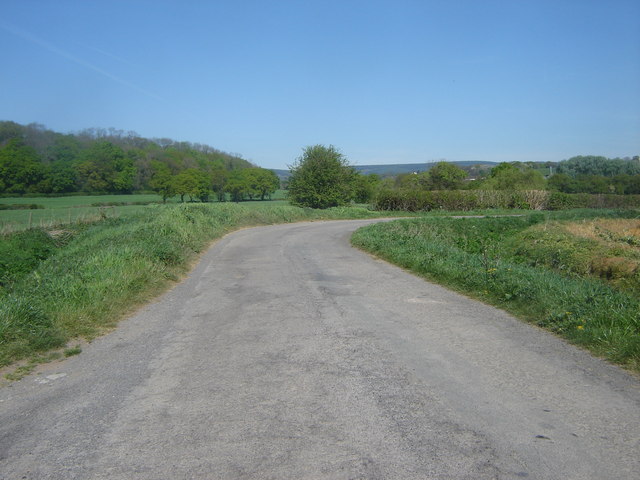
(575, 273)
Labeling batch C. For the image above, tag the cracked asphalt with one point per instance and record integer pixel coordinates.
(289, 354)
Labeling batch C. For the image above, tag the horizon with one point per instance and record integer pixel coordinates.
(385, 82)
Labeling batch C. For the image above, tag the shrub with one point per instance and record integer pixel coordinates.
(321, 178)
(415, 200)
(21, 252)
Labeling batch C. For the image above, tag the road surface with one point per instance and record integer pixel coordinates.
(288, 354)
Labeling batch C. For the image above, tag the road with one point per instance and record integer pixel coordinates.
(288, 354)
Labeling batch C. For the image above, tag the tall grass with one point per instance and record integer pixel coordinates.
(79, 280)
(474, 256)
(58, 211)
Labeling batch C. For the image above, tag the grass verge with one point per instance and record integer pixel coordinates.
(80, 279)
(494, 260)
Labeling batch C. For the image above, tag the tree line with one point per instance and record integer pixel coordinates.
(580, 174)
(35, 160)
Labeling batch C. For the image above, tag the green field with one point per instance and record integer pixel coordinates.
(82, 208)
(576, 273)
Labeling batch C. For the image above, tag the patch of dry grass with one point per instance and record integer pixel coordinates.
(617, 257)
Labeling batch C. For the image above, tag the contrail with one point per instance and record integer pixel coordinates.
(107, 54)
(52, 48)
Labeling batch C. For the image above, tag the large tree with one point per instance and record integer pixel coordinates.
(263, 182)
(321, 178)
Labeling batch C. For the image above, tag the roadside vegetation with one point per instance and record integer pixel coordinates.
(575, 272)
(19, 213)
(79, 279)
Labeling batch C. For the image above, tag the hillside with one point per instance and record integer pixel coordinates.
(34, 159)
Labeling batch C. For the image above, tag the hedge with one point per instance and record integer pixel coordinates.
(465, 200)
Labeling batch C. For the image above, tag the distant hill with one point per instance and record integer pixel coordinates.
(395, 168)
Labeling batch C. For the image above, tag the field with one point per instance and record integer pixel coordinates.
(54, 211)
(575, 272)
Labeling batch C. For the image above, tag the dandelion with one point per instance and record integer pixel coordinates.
(580, 327)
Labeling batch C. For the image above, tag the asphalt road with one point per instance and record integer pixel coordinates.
(287, 354)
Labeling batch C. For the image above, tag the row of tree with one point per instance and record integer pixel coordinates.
(242, 184)
(585, 174)
(34, 159)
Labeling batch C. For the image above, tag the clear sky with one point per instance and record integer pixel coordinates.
(384, 81)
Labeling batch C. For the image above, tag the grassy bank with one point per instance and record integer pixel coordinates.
(77, 281)
(584, 286)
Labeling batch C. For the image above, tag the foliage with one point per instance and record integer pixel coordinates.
(513, 176)
(414, 200)
(443, 176)
(321, 178)
(523, 265)
(192, 182)
(599, 166)
(162, 180)
(366, 187)
(620, 184)
(36, 160)
(20, 170)
(21, 252)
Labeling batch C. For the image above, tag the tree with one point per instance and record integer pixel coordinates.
(513, 176)
(261, 181)
(104, 167)
(365, 187)
(218, 181)
(20, 170)
(162, 181)
(562, 182)
(321, 178)
(596, 165)
(192, 182)
(444, 176)
(237, 185)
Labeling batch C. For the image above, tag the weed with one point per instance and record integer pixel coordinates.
(69, 352)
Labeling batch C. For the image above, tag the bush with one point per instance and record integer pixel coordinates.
(414, 200)
(321, 178)
(21, 252)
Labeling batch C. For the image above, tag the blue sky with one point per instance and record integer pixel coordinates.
(384, 81)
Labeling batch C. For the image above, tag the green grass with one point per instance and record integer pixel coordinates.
(71, 209)
(477, 257)
(59, 211)
(80, 279)
(84, 200)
